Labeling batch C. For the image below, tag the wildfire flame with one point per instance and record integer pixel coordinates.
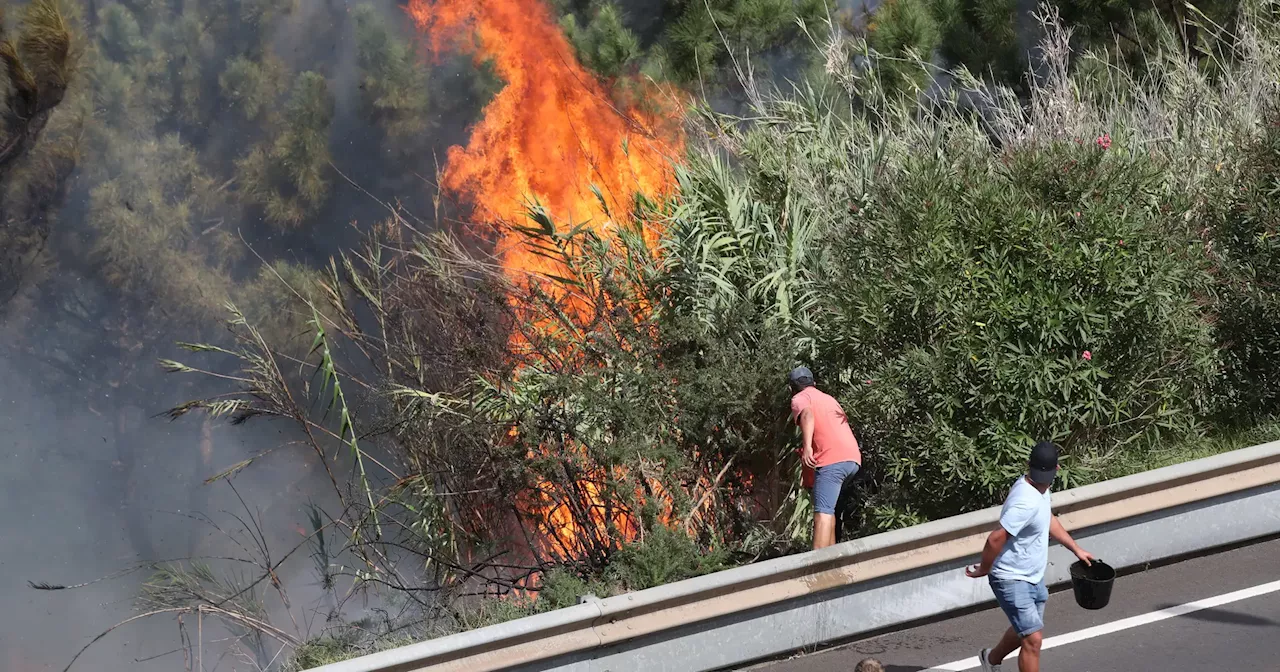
(553, 131)
(551, 134)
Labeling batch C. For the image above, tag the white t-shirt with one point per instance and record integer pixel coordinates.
(1026, 518)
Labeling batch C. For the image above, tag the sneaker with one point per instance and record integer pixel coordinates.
(984, 661)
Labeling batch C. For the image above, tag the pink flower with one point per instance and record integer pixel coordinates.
(1088, 356)
(1104, 141)
(868, 382)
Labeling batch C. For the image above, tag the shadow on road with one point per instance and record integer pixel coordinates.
(1216, 615)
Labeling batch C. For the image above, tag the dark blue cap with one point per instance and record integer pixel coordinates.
(800, 377)
(1044, 463)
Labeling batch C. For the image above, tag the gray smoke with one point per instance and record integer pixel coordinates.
(94, 482)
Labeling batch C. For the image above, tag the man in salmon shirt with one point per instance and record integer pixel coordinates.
(827, 448)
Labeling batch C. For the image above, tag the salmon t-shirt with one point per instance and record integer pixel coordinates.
(833, 439)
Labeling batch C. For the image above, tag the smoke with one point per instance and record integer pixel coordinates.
(92, 485)
(94, 482)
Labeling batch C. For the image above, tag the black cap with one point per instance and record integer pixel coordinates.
(800, 377)
(1044, 463)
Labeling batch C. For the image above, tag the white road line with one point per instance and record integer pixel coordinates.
(1125, 624)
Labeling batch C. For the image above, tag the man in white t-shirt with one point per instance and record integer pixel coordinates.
(1015, 558)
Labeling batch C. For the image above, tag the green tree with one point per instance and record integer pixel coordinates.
(984, 36)
(242, 27)
(393, 83)
(188, 51)
(149, 217)
(604, 44)
(251, 87)
(1134, 27)
(701, 35)
(121, 35)
(289, 175)
(903, 29)
(995, 39)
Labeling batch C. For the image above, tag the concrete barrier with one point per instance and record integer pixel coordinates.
(770, 608)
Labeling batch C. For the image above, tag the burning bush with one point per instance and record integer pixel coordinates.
(582, 411)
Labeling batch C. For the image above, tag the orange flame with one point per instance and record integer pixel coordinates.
(551, 134)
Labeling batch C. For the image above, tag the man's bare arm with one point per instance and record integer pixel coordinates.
(1060, 535)
(806, 437)
(995, 542)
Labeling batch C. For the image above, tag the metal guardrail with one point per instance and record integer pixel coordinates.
(774, 607)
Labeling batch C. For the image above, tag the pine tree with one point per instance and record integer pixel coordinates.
(604, 44)
(393, 83)
(188, 51)
(241, 26)
(994, 38)
(983, 35)
(251, 87)
(148, 217)
(902, 29)
(703, 31)
(289, 176)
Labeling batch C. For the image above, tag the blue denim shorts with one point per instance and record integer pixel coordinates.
(827, 482)
(1022, 602)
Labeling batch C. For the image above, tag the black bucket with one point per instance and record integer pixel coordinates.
(1092, 583)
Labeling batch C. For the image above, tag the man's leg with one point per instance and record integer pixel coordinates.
(1007, 645)
(1023, 603)
(828, 481)
(1028, 649)
(844, 503)
(1029, 655)
(824, 530)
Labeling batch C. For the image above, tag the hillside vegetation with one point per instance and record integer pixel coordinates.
(1091, 262)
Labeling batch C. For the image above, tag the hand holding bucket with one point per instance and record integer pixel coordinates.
(1092, 583)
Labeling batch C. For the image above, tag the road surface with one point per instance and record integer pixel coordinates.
(1207, 614)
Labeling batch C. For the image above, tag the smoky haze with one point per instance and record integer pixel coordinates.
(95, 479)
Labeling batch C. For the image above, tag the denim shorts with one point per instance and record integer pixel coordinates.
(1022, 602)
(827, 482)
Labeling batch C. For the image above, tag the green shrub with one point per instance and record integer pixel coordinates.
(983, 305)
(323, 651)
(663, 556)
(1246, 246)
(562, 588)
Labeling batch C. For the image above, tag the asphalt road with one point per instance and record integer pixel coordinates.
(1243, 634)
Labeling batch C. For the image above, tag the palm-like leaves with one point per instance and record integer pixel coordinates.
(726, 245)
